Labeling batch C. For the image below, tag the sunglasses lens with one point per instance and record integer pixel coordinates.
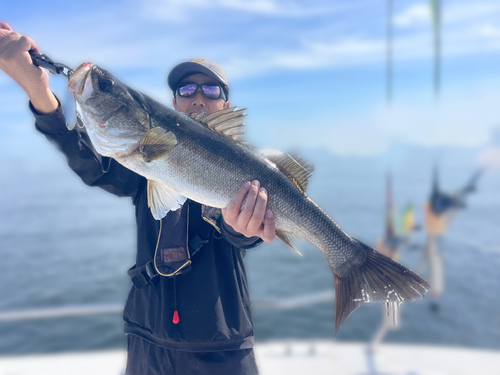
(212, 92)
(187, 90)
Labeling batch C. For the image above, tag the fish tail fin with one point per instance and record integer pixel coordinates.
(378, 279)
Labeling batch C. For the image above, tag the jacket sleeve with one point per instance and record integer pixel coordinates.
(92, 168)
(237, 239)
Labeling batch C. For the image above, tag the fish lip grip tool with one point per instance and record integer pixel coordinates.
(43, 61)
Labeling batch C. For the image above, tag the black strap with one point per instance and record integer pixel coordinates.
(203, 229)
(142, 276)
(201, 238)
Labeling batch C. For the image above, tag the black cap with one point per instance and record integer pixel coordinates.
(197, 66)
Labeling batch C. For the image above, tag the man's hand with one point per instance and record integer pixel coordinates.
(16, 62)
(253, 219)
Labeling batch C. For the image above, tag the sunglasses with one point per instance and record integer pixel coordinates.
(210, 90)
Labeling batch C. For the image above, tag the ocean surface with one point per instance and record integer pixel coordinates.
(63, 243)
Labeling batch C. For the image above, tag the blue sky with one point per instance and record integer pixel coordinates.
(311, 73)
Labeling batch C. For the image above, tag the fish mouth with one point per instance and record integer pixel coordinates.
(77, 82)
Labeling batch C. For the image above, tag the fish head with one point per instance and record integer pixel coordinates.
(113, 114)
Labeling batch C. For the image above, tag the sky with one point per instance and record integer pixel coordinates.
(312, 74)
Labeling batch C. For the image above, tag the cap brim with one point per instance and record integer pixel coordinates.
(188, 68)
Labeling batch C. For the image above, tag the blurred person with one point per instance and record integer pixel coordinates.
(394, 239)
(391, 245)
(435, 227)
(439, 212)
(196, 319)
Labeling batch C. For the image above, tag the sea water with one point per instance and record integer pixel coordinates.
(63, 243)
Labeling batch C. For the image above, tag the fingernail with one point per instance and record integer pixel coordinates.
(256, 183)
(269, 214)
(263, 191)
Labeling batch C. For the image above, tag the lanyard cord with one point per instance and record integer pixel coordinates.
(175, 318)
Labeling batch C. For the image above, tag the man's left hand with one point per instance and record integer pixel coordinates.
(253, 218)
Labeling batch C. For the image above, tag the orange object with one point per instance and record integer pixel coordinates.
(435, 224)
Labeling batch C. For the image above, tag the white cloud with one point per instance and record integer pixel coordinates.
(179, 10)
(456, 14)
(490, 158)
(465, 12)
(359, 51)
(415, 15)
(257, 6)
(489, 30)
(457, 119)
(309, 55)
(139, 45)
(118, 43)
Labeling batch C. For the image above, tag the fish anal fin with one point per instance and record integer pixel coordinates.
(287, 239)
(157, 143)
(378, 279)
(162, 199)
(294, 167)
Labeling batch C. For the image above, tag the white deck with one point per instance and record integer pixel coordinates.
(290, 358)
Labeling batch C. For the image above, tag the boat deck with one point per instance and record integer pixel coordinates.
(290, 358)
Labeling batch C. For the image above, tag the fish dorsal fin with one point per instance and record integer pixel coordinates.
(294, 167)
(214, 115)
(287, 239)
(228, 123)
(197, 116)
(157, 143)
(162, 199)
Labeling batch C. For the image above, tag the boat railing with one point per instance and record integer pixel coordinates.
(115, 308)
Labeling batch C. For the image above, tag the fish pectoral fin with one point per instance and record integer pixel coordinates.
(292, 166)
(162, 199)
(287, 239)
(157, 143)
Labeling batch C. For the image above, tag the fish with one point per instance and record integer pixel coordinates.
(205, 158)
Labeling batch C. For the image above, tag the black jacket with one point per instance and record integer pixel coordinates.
(212, 299)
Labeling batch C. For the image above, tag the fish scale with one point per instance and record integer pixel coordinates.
(205, 160)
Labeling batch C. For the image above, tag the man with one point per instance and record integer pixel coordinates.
(196, 320)
(435, 227)
(439, 211)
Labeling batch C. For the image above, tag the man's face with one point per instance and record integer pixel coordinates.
(198, 102)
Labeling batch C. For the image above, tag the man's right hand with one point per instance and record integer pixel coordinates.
(247, 213)
(16, 62)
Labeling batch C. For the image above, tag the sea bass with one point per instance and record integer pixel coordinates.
(206, 160)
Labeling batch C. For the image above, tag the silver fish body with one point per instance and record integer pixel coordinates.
(203, 159)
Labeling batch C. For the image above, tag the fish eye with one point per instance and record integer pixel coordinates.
(106, 85)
